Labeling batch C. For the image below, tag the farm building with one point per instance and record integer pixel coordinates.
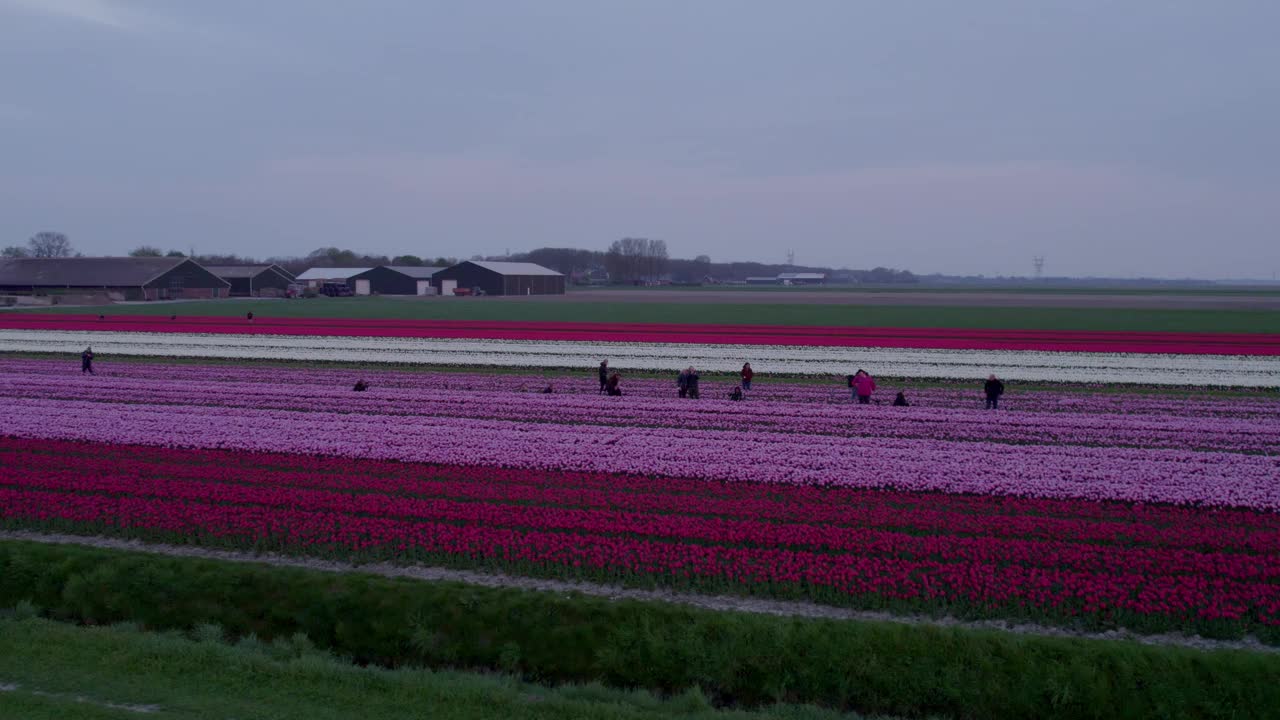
(146, 278)
(398, 280)
(500, 278)
(315, 277)
(254, 280)
(802, 278)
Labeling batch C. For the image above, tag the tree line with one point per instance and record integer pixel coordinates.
(628, 260)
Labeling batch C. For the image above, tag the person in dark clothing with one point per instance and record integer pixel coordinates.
(547, 390)
(173, 317)
(361, 386)
(612, 385)
(747, 374)
(682, 383)
(901, 400)
(994, 389)
(249, 315)
(736, 394)
(86, 361)
(604, 374)
(692, 382)
(102, 317)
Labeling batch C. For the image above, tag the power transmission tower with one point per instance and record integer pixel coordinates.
(1038, 261)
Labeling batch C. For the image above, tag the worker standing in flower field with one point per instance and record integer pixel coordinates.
(604, 374)
(994, 389)
(86, 361)
(863, 386)
(682, 383)
(692, 383)
(747, 374)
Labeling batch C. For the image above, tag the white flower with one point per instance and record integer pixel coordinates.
(1143, 368)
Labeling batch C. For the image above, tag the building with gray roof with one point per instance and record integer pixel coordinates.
(147, 278)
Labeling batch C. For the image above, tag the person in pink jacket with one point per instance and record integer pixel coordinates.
(863, 386)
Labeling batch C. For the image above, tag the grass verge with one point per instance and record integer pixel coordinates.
(63, 672)
(734, 659)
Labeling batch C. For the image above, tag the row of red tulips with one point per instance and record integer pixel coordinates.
(1163, 586)
(98, 478)
(1207, 530)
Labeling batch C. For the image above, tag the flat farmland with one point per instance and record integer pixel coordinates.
(1125, 313)
(1104, 544)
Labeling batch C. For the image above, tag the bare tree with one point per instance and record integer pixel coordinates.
(146, 251)
(15, 251)
(50, 244)
(631, 259)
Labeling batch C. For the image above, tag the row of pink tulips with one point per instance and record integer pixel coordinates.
(1170, 476)
(1168, 431)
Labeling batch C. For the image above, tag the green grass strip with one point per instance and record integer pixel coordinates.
(735, 659)
(782, 313)
(62, 672)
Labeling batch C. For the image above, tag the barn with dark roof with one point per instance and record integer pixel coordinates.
(129, 277)
(398, 279)
(500, 278)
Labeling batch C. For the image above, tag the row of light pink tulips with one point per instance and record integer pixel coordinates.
(1224, 404)
(1148, 475)
(1187, 431)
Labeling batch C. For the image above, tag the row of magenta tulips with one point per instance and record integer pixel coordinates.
(575, 525)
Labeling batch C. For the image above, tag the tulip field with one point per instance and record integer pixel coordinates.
(1095, 506)
(1151, 358)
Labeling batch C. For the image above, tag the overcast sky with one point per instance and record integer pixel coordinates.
(1113, 137)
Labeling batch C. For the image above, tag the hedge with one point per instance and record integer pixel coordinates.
(735, 658)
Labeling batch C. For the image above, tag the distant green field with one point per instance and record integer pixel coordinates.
(1029, 318)
(1028, 289)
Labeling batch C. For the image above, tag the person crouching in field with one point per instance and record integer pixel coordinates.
(361, 386)
(611, 385)
(86, 361)
(993, 389)
(736, 394)
(901, 400)
(604, 375)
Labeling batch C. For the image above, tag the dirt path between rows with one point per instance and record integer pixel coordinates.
(726, 603)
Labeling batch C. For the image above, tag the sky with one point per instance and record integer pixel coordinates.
(1112, 138)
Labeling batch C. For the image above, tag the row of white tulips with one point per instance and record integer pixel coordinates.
(1142, 368)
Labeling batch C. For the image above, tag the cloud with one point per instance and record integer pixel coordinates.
(103, 13)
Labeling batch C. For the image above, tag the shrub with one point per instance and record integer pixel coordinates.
(729, 658)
